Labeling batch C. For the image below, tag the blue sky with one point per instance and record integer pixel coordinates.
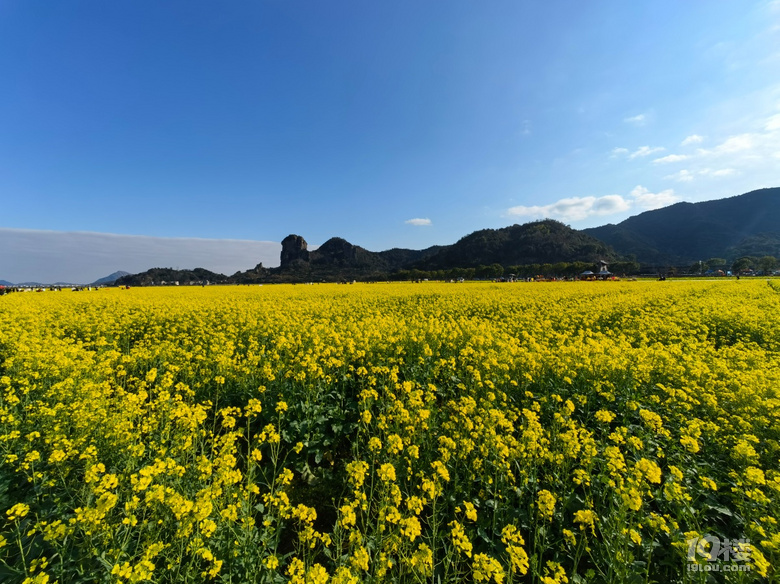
(391, 124)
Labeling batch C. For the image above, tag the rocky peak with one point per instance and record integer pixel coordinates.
(294, 251)
(337, 250)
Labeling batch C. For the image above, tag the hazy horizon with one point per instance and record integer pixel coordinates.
(83, 257)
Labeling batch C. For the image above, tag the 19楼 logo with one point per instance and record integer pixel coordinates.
(726, 555)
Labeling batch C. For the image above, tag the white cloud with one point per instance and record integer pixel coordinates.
(746, 154)
(640, 152)
(723, 172)
(687, 175)
(643, 151)
(83, 257)
(740, 161)
(579, 208)
(748, 150)
(692, 139)
(647, 200)
(609, 204)
(418, 222)
(671, 158)
(638, 120)
(573, 208)
(736, 144)
(682, 176)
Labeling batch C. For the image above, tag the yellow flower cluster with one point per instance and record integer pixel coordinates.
(428, 432)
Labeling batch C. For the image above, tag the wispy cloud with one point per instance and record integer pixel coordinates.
(681, 176)
(640, 152)
(83, 257)
(689, 175)
(772, 123)
(737, 143)
(579, 208)
(671, 158)
(739, 153)
(692, 139)
(643, 151)
(572, 208)
(418, 222)
(722, 172)
(648, 201)
(637, 120)
(753, 154)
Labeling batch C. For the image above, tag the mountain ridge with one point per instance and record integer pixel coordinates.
(679, 234)
(687, 232)
(110, 279)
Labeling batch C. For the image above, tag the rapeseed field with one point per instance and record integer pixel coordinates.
(548, 433)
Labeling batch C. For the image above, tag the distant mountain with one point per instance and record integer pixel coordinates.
(338, 252)
(110, 279)
(681, 234)
(38, 284)
(539, 242)
(167, 276)
(102, 281)
(688, 232)
(334, 260)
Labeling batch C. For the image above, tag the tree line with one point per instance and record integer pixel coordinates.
(764, 265)
(496, 271)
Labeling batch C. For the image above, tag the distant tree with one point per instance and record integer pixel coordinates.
(496, 271)
(696, 268)
(490, 272)
(456, 273)
(715, 263)
(482, 271)
(743, 263)
(627, 267)
(578, 267)
(767, 264)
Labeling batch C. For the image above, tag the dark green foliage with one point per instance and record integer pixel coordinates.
(762, 244)
(169, 276)
(545, 241)
(689, 232)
